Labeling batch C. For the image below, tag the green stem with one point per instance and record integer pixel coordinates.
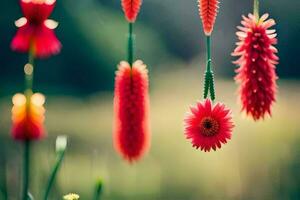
(256, 9)
(98, 190)
(130, 44)
(26, 168)
(209, 75)
(55, 169)
(208, 53)
(29, 71)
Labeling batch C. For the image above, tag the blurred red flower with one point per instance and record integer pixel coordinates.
(131, 9)
(208, 125)
(35, 30)
(208, 10)
(28, 117)
(256, 73)
(131, 108)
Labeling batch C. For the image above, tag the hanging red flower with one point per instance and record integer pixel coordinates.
(28, 117)
(131, 105)
(208, 125)
(256, 73)
(36, 32)
(208, 10)
(131, 9)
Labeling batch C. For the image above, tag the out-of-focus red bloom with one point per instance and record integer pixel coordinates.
(208, 10)
(35, 30)
(131, 9)
(256, 73)
(208, 125)
(28, 117)
(131, 108)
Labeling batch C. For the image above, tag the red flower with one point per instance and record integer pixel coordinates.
(208, 126)
(28, 118)
(35, 30)
(131, 104)
(208, 10)
(256, 73)
(131, 9)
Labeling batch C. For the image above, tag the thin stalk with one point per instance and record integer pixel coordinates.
(256, 9)
(26, 173)
(130, 44)
(29, 71)
(3, 176)
(55, 169)
(98, 190)
(208, 53)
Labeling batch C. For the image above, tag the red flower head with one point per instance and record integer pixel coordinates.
(208, 10)
(208, 126)
(131, 105)
(131, 9)
(35, 30)
(28, 118)
(256, 73)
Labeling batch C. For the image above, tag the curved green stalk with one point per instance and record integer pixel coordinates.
(61, 145)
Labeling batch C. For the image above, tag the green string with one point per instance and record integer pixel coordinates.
(256, 9)
(209, 86)
(130, 44)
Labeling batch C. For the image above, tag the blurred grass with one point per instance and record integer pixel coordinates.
(260, 162)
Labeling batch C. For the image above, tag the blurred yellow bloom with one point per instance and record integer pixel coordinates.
(71, 196)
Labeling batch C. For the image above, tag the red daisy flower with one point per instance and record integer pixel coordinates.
(208, 10)
(208, 126)
(131, 105)
(256, 73)
(131, 9)
(35, 30)
(28, 118)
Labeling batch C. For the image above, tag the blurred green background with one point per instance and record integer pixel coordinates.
(260, 162)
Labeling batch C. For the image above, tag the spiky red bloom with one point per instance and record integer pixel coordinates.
(131, 9)
(28, 118)
(35, 30)
(208, 125)
(256, 73)
(131, 105)
(208, 10)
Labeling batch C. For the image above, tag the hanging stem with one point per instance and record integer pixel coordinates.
(28, 70)
(209, 76)
(26, 169)
(130, 44)
(256, 9)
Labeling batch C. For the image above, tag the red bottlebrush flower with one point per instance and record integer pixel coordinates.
(256, 73)
(208, 10)
(131, 9)
(208, 125)
(131, 108)
(28, 118)
(35, 30)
